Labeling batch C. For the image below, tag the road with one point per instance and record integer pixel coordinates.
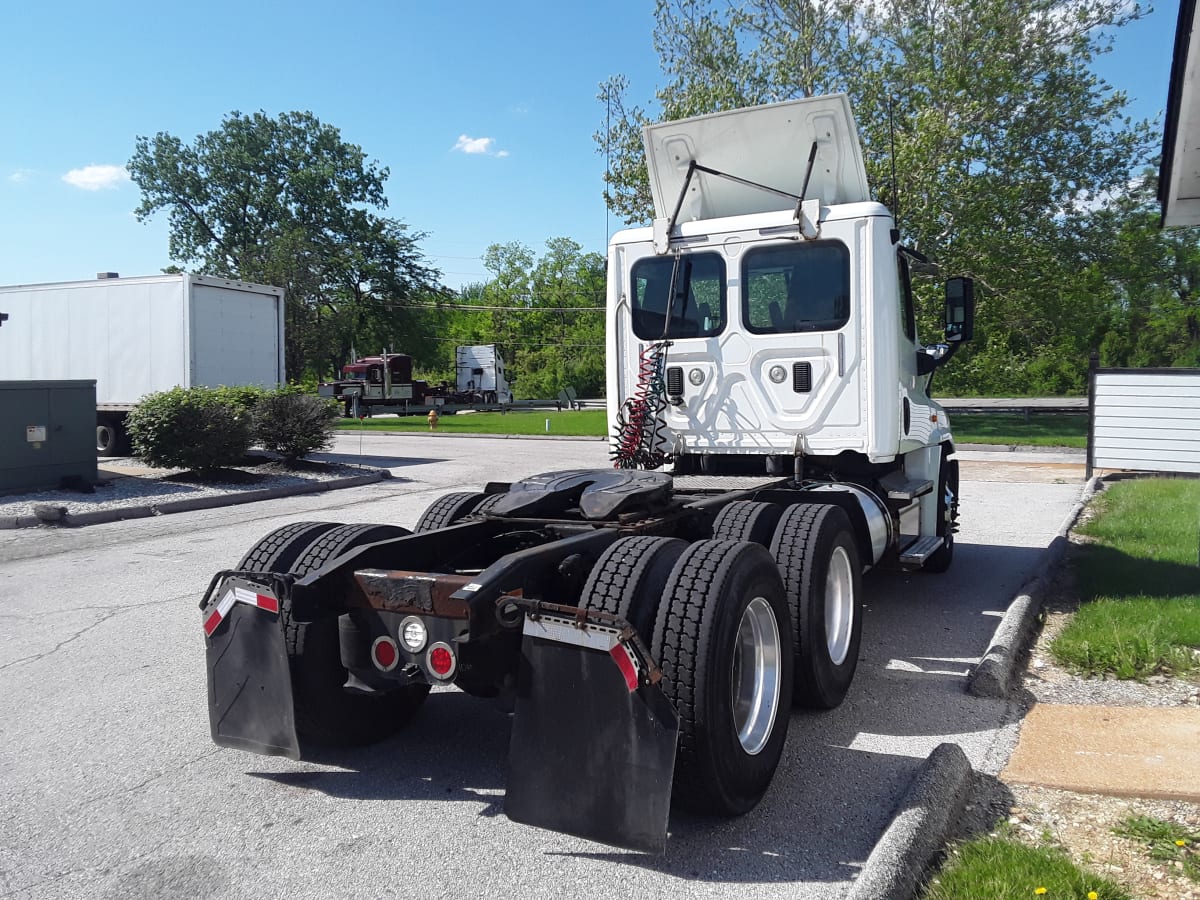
(110, 786)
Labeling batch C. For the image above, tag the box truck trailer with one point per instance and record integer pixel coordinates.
(137, 336)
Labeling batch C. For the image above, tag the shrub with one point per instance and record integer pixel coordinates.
(192, 428)
(293, 425)
(241, 399)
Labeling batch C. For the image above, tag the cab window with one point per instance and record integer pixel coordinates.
(698, 309)
(796, 287)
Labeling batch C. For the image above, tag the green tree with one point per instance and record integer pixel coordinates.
(287, 201)
(987, 110)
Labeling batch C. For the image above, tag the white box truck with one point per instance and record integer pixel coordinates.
(136, 336)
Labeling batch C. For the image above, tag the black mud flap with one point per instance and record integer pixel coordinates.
(249, 684)
(593, 740)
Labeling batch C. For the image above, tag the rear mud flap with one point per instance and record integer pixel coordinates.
(249, 682)
(593, 741)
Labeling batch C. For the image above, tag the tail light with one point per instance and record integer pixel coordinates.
(441, 661)
(385, 654)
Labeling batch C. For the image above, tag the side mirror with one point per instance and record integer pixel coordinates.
(960, 310)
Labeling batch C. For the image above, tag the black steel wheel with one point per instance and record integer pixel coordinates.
(111, 437)
(448, 509)
(817, 554)
(747, 520)
(723, 640)
(629, 579)
(947, 516)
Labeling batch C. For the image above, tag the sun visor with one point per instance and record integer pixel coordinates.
(769, 145)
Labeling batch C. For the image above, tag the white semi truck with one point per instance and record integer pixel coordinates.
(651, 625)
(137, 336)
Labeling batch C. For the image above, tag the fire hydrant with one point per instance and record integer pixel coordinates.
(433, 419)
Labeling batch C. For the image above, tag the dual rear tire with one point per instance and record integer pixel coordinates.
(714, 616)
(326, 712)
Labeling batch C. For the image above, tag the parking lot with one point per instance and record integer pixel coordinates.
(111, 786)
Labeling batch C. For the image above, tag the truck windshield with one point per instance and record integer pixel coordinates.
(796, 287)
(699, 307)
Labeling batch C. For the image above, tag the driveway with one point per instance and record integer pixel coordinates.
(111, 787)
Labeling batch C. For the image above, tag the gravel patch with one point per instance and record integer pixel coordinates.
(127, 483)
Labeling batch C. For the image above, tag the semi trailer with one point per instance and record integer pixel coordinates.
(137, 336)
(650, 626)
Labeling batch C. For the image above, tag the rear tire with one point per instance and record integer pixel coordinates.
(747, 520)
(629, 579)
(326, 713)
(111, 437)
(723, 640)
(817, 554)
(447, 510)
(278, 550)
(947, 517)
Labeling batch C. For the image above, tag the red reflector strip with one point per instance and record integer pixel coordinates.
(238, 595)
(211, 623)
(270, 604)
(624, 661)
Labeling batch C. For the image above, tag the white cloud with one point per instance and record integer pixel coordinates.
(20, 176)
(96, 178)
(475, 146)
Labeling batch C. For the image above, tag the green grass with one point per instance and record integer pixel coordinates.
(1140, 582)
(1042, 430)
(1165, 841)
(571, 423)
(995, 868)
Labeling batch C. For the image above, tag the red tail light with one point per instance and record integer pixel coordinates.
(441, 661)
(385, 653)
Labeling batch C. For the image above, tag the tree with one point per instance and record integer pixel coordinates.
(546, 315)
(987, 109)
(286, 201)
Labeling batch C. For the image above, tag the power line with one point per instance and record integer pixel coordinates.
(469, 306)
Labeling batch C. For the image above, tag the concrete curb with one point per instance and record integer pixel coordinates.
(992, 676)
(102, 516)
(919, 828)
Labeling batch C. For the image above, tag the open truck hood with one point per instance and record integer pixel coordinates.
(765, 144)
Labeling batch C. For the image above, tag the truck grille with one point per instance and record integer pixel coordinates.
(674, 381)
(802, 377)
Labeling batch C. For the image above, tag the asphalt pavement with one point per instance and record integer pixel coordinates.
(111, 787)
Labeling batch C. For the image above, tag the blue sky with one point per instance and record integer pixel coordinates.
(415, 84)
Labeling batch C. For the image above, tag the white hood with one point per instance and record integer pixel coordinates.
(765, 144)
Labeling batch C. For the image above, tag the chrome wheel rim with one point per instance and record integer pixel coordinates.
(839, 606)
(755, 680)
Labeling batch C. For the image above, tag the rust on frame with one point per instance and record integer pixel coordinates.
(418, 593)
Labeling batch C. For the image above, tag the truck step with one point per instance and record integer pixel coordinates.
(920, 550)
(899, 487)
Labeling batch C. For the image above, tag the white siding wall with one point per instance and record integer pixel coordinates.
(1147, 421)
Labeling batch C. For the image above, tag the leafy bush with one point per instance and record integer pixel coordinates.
(193, 428)
(292, 424)
(242, 399)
